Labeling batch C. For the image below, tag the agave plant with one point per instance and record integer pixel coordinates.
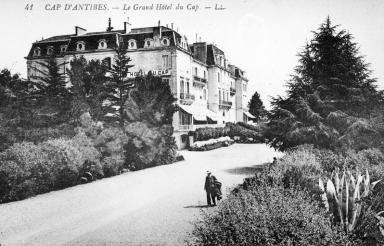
(342, 196)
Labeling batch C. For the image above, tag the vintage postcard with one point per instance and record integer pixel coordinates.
(191, 122)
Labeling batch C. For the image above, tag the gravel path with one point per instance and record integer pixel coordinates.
(148, 207)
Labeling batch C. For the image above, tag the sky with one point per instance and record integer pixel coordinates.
(263, 37)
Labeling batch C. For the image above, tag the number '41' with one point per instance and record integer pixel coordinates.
(29, 7)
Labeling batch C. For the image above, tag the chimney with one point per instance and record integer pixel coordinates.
(172, 26)
(158, 24)
(200, 39)
(109, 28)
(79, 30)
(126, 24)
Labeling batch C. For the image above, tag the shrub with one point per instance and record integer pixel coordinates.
(28, 169)
(267, 215)
(244, 133)
(206, 133)
(298, 167)
(149, 146)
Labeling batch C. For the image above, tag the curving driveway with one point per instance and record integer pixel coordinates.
(148, 207)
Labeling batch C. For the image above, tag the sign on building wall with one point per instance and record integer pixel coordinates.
(164, 72)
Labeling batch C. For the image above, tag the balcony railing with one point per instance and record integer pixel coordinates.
(225, 103)
(187, 96)
(198, 79)
(185, 127)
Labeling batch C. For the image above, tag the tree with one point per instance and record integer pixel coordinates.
(256, 107)
(149, 111)
(332, 84)
(117, 86)
(52, 95)
(87, 79)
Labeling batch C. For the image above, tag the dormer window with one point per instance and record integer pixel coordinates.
(63, 48)
(102, 44)
(37, 51)
(132, 44)
(148, 43)
(80, 46)
(165, 41)
(50, 50)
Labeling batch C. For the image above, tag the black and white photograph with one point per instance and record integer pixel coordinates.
(192, 122)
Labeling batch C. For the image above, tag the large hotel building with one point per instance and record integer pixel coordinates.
(209, 90)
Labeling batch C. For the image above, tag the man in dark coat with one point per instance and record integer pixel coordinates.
(209, 188)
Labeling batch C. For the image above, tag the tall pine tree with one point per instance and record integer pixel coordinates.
(256, 107)
(117, 86)
(52, 95)
(328, 95)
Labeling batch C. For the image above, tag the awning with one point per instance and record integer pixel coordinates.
(249, 115)
(197, 112)
(212, 115)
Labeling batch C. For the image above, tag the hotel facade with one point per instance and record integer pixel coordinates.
(209, 90)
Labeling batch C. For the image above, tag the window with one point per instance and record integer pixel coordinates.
(219, 95)
(205, 94)
(205, 75)
(165, 41)
(184, 138)
(182, 87)
(50, 50)
(107, 62)
(165, 80)
(102, 44)
(165, 61)
(148, 43)
(80, 46)
(63, 48)
(64, 69)
(37, 51)
(196, 71)
(132, 44)
(187, 87)
(218, 77)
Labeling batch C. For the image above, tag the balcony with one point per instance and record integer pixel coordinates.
(199, 81)
(232, 91)
(225, 104)
(186, 98)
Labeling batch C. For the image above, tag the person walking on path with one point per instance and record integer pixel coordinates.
(209, 188)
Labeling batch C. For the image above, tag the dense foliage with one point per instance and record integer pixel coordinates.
(88, 80)
(245, 132)
(240, 130)
(267, 215)
(52, 130)
(28, 169)
(149, 111)
(330, 96)
(275, 206)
